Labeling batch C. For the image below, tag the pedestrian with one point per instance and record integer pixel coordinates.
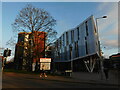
(106, 69)
(43, 74)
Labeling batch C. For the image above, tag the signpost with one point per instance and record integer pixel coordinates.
(46, 62)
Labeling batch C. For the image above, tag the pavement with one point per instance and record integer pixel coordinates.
(90, 78)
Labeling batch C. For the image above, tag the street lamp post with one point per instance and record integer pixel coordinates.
(101, 61)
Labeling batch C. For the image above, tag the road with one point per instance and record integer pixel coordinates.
(17, 80)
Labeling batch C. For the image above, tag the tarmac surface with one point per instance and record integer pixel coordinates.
(90, 78)
(78, 79)
(114, 78)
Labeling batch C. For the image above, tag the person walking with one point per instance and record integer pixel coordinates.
(43, 74)
(106, 69)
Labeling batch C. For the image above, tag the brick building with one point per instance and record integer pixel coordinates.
(29, 48)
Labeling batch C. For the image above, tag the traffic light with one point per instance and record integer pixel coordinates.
(7, 52)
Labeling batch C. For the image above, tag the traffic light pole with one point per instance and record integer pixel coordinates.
(7, 52)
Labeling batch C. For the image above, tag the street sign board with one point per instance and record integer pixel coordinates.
(45, 59)
(46, 63)
(68, 70)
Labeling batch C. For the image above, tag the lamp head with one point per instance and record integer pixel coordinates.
(104, 17)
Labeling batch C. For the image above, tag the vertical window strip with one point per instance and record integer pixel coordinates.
(78, 32)
(86, 28)
(86, 47)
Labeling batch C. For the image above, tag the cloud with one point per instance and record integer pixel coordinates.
(108, 28)
(102, 6)
(113, 31)
(111, 10)
(109, 44)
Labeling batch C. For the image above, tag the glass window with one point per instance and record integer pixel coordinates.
(76, 49)
(65, 53)
(67, 42)
(85, 38)
(63, 40)
(78, 32)
(86, 28)
(86, 47)
(70, 48)
(72, 36)
(60, 42)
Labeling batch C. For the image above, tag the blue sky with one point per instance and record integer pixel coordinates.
(68, 16)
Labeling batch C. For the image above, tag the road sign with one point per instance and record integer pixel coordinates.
(45, 59)
(68, 70)
(46, 62)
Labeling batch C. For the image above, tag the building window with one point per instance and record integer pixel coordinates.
(67, 42)
(86, 47)
(57, 44)
(63, 40)
(78, 32)
(59, 55)
(76, 49)
(30, 41)
(72, 36)
(70, 48)
(60, 42)
(96, 43)
(65, 53)
(86, 28)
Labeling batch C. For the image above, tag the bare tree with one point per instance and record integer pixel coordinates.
(32, 19)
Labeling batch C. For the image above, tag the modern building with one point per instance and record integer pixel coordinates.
(28, 52)
(77, 49)
(115, 60)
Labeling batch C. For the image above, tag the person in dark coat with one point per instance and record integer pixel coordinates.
(106, 68)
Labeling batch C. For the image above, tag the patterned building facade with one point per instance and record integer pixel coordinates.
(77, 48)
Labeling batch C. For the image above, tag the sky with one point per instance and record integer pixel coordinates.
(68, 16)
